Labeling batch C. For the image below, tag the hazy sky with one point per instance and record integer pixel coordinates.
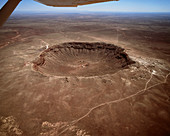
(120, 6)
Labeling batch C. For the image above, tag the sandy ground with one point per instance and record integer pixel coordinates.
(132, 101)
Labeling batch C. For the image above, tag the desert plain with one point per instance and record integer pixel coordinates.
(85, 74)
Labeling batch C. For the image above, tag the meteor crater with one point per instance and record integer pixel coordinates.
(81, 59)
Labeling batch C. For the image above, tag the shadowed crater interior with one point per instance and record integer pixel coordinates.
(81, 59)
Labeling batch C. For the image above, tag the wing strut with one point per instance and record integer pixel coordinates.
(7, 10)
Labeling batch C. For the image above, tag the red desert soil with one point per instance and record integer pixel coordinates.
(74, 75)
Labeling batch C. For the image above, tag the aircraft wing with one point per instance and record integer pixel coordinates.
(70, 3)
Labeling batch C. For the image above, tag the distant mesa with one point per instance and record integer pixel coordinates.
(81, 59)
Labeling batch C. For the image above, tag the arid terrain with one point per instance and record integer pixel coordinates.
(88, 74)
